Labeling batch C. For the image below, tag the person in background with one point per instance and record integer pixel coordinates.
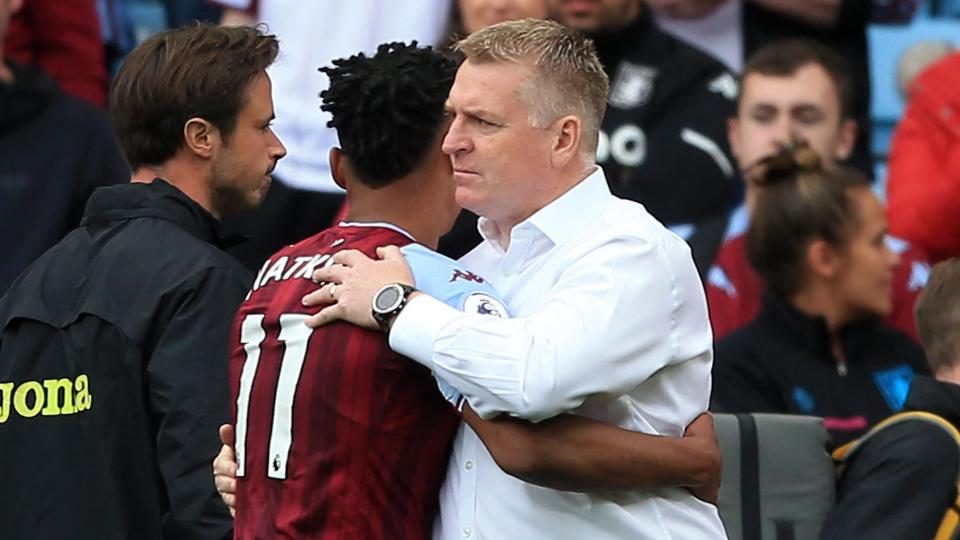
(64, 40)
(734, 30)
(923, 182)
(663, 140)
(793, 88)
(113, 344)
(916, 456)
(55, 149)
(817, 347)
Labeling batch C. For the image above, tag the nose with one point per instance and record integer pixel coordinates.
(277, 150)
(456, 140)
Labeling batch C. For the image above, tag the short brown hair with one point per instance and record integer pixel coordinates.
(784, 58)
(195, 71)
(798, 202)
(568, 77)
(937, 313)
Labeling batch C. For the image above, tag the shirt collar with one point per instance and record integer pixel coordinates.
(382, 224)
(562, 218)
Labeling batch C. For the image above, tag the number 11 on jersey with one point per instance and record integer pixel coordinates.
(294, 335)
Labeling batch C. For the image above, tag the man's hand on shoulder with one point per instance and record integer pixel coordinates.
(351, 283)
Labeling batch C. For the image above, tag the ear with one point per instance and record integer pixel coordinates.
(337, 164)
(823, 259)
(566, 144)
(201, 137)
(848, 138)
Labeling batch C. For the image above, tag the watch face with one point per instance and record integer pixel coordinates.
(388, 298)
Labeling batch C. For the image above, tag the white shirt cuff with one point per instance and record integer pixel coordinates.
(416, 328)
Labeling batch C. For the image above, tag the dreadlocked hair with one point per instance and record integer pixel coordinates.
(388, 108)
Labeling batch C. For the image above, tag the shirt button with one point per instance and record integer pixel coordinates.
(466, 531)
(468, 465)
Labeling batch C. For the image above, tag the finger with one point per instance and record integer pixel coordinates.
(225, 464)
(333, 273)
(326, 315)
(227, 435)
(320, 297)
(229, 500)
(350, 257)
(225, 484)
(390, 253)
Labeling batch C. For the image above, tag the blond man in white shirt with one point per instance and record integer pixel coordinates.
(609, 316)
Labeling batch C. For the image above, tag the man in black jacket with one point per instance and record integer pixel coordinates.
(113, 345)
(901, 481)
(55, 149)
(663, 140)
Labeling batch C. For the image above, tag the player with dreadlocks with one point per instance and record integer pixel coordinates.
(337, 437)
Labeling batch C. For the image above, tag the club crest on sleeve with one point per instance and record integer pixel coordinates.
(484, 304)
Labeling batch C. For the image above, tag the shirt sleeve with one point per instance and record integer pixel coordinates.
(609, 322)
(189, 397)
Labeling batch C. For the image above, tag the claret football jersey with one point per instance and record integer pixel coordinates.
(338, 437)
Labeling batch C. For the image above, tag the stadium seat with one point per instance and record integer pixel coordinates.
(778, 479)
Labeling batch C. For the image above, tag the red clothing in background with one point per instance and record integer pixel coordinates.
(923, 185)
(63, 38)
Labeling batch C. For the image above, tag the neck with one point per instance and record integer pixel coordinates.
(949, 373)
(817, 301)
(184, 177)
(397, 204)
(568, 181)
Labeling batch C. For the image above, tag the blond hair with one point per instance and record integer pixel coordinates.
(567, 78)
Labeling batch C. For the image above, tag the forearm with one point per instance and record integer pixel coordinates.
(820, 13)
(575, 453)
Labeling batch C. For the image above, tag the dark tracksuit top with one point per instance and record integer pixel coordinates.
(900, 483)
(113, 374)
(782, 362)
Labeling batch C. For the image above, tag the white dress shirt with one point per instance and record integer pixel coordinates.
(312, 34)
(609, 321)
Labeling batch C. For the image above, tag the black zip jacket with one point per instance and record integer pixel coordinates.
(55, 149)
(113, 374)
(782, 362)
(664, 134)
(901, 482)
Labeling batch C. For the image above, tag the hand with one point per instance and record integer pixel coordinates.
(352, 282)
(236, 17)
(225, 469)
(686, 9)
(700, 433)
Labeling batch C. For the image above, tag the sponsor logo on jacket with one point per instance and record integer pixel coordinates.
(47, 397)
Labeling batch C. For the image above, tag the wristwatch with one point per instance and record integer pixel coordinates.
(388, 302)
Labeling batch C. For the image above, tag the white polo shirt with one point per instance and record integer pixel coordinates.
(609, 320)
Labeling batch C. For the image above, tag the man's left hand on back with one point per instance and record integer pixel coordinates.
(351, 283)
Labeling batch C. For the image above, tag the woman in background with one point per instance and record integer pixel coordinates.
(818, 347)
